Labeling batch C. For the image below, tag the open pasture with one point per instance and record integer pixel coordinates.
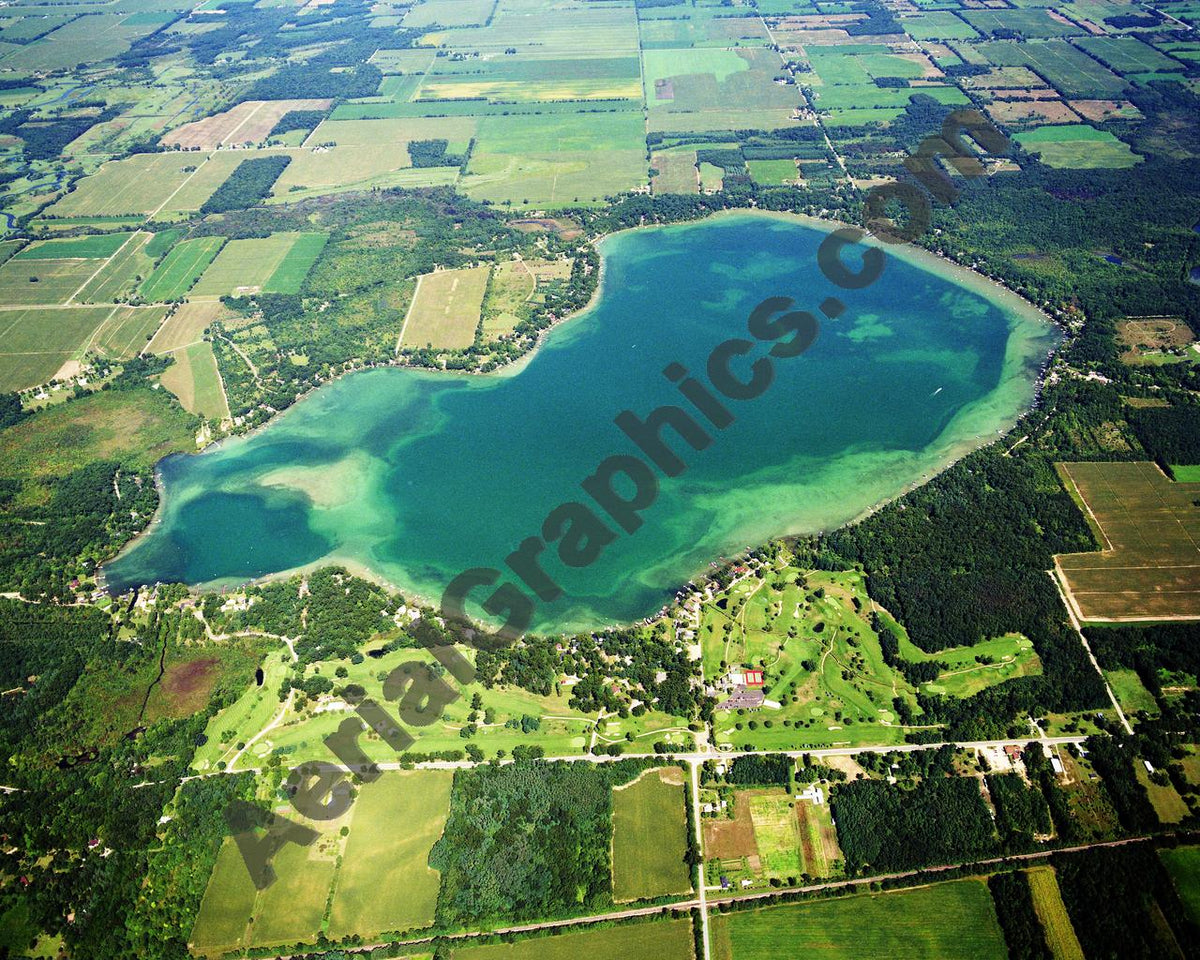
(445, 309)
(88, 39)
(97, 247)
(553, 32)
(1077, 147)
(227, 905)
(27, 282)
(655, 940)
(1149, 564)
(1183, 864)
(396, 133)
(126, 331)
(181, 268)
(332, 169)
(676, 171)
(554, 161)
(1127, 54)
(449, 13)
(938, 25)
(386, 882)
(120, 276)
(248, 122)
(714, 89)
(1031, 23)
(194, 379)
(650, 837)
(1069, 70)
(947, 920)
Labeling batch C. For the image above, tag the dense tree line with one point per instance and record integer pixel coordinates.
(1118, 897)
(1171, 435)
(1023, 932)
(884, 827)
(1114, 757)
(249, 183)
(298, 120)
(1021, 810)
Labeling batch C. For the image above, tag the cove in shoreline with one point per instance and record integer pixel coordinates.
(415, 477)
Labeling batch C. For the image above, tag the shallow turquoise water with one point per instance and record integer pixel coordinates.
(419, 476)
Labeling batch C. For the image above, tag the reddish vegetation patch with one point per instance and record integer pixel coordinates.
(664, 90)
(731, 839)
(1105, 109)
(1043, 93)
(185, 688)
(566, 228)
(1031, 111)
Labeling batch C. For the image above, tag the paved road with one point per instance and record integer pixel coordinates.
(699, 757)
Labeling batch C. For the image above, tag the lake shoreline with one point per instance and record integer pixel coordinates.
(945, 456)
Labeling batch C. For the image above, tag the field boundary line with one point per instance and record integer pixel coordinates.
(200, 166)
(1091, 656)
(225, 139)
(408, 313)
(104, 263)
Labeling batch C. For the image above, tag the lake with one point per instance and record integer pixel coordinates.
(415, 476)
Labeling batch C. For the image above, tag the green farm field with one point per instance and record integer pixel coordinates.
(947, 920)
(654, 940)
(179, 270)
(139, 185)
(649, 837)
(194, 379)
(385, 882)
(251, 265)
(1183, 864)
(98, 247)
(1077, 146)
(35, 343)
(1052, 912)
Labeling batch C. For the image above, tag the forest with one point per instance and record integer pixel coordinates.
(528, 840)
(249, 183)
(884, 827)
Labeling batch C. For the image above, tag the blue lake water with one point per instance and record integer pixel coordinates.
(417, 476)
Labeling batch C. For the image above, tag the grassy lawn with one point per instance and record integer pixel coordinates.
(649, 837)
(948, 920)
(776, 831)
(386, 883)
(1052, 912)
(656, 940)
(293, 907)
